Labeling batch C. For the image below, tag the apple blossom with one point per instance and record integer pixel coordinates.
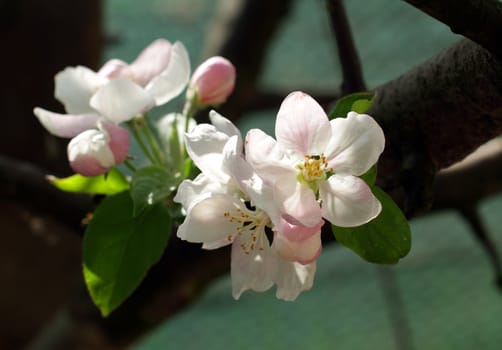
(213, 81)
(314, 165)
(229, 204)
(95, 151)
(118, 91)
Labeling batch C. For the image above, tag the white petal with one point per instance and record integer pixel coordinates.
(205, 146)
(206, 220)
(173, 80)
(347, 201)
(66, 125)
(151, 61)
(120, 100)
(253, 270)
(223, 124)
(75, 86)
(266, 156)
(292, 278)
(356, 143)
(248, 181)
(298, 200)
(190, 190)
(89, 153)
(302, 126)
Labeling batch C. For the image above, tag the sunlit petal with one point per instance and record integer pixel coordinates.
(173, 80)
(356, 143)
(65, 125)
(120, 100)
(347, 201)
(302, 126)
(74, 87)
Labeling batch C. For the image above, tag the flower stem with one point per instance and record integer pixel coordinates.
(152, 140)
(130, 166)
(134, 130)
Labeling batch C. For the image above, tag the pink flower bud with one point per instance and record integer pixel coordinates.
(213, 81)
(95, 151)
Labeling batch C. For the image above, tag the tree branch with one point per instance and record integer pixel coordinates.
(480, 21)
(27, 185)
(434, 116)
(353, 80)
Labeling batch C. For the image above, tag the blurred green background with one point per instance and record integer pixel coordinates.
(439, 297)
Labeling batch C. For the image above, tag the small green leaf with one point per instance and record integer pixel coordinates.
(361, 106)
(151, 185)
(383, 240)
(370, 176)
(119, 249)
(109, 183)
(359, 102)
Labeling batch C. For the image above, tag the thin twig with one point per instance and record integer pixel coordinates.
(353, 80)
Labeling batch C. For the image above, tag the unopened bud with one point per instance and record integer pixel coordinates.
(213, 81)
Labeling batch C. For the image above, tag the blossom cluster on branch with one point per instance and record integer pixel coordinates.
(267, 198)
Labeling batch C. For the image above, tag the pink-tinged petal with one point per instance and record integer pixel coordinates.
(172, 80)
(347, 201)
(74, 87)
(89, 153)
(119, 141)
(297, 233)
(356, 143)
(302, 126)
(114, 68)
(153, 60)
(205, 146)
(251, 270)
(120, 100)
(297, 200)
(292, 278)
(266, 157)
(65, 125)
(206, 219)
(304, 252)
(213, 81)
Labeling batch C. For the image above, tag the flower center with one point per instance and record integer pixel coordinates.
(314, 168)
(250, 228)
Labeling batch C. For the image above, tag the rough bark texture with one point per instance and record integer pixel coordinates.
(435, 115)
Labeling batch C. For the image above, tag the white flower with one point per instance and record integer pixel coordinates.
(118, 91)
(229, 204)
(314, 165)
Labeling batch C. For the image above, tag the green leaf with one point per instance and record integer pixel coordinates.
(152, 185)
(119, 249)
(383, 240)
(359, 102)
(370, 176)
(109, 183)
(362, 106)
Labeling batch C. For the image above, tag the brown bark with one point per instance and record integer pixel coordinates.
(435, 115)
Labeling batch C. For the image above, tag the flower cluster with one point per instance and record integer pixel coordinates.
(267, 198)
(97, 102)
(270, 201)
